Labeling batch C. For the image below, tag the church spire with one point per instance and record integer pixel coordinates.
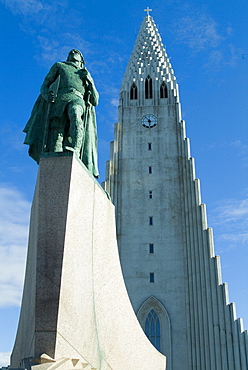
(148, 60)
(166, 249)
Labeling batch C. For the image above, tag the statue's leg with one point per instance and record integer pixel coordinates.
(76, 129)
(56, 135)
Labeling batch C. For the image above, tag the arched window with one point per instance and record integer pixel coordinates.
(148, 88)
(152, 329)
(163, 91)
(155, 322)
(133, 92)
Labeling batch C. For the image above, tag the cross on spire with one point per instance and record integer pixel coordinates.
(147, 10)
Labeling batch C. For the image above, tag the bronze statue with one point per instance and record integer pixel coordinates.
(63, 117)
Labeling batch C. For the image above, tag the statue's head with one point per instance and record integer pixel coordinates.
(75, 56)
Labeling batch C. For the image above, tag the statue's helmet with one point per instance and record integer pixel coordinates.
(76, 51)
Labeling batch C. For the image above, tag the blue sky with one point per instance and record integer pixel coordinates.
(207, 42)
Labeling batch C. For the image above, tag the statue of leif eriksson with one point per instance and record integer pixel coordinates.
(63, 117)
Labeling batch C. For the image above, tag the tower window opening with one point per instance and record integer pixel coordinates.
(133, 92)
(148, 88)
(151, 248)
(151, 277)
(149, 146)
(163, 91)
(150, 169)
(150, 194)
(152, 328)
(150, 220)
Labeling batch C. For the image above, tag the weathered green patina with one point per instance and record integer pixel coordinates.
(63, 117)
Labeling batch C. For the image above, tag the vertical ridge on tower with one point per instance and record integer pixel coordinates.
(166, 247)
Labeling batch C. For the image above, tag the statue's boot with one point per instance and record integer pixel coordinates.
(58, 145)
(56, 136)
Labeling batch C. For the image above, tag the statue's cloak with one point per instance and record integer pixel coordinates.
(35, 128)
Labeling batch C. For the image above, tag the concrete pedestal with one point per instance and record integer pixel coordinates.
(75, 303)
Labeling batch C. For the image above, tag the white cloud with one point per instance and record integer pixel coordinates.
(235, 147)
(198, 32)
(229, 31)
(11, 137)
(57, 48)
(215, 59)
(229, 57)
(24, 7)
(14, 222)
(4, 358)
(231, 221)
(235, 238)
(235, 55)
(37, 10)
(115, 102)
(233, 210)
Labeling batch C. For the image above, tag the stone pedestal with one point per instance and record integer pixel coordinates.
(75, 303)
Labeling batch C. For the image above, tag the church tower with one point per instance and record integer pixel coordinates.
(166, 248)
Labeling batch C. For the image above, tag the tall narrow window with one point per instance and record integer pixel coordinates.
(149, 146)
(163, 90)
(150, 220)
(150, 194)
(150, 169)
(151, 248)
(148, 88)
(152, 329)
(133, 92)
(151, 277)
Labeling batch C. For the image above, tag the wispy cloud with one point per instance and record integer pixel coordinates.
(215, 58)
(14, 221)
(231, 217)
(4, 358)
(201, 33)
(53, 49)
(235, 148)
(230, 56)
(232, 210)
(198, 32)
(235, 55)
(235, 238)
(11, 137)
(35, 10)
(239, 144)
(115, 102)
(45, 21)
(24, 7)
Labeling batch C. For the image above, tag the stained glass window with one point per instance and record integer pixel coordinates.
(152, 329)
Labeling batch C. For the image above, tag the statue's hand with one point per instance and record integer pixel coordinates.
(88, 104)
(86, 75)
(84, 72)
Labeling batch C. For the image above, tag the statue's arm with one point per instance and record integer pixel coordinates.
(49, 79)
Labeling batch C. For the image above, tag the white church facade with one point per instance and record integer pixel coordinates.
(166, 249)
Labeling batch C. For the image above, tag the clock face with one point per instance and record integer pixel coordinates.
(149, 121)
